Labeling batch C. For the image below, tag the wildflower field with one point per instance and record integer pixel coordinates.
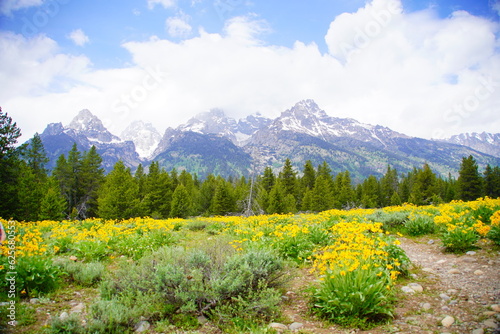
(177, 275)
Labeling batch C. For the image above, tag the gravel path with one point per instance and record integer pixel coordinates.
(447, 293)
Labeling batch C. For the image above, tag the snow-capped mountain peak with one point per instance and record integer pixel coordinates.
(485, 142)
(213, 121)
(91, 126)
(145, 137)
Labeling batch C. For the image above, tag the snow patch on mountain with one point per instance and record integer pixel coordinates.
(145, 137)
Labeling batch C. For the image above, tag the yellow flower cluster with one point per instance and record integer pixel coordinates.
(356, 245)
(495, 219)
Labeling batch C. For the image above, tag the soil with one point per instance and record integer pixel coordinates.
(460, 286)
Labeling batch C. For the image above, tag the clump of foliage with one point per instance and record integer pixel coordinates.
(419, 225)
(216, 282)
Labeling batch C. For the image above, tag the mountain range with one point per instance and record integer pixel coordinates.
(211, 142)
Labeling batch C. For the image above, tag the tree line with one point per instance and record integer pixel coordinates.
(77, 188)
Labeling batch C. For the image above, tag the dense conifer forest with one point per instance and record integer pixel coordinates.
(78, 188)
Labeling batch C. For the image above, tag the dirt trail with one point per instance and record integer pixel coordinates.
(463, 287)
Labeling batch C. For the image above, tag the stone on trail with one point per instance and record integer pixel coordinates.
(416, 287)
(142, 326)
(280, 328)
(447, 321)
(295, 326)
(490, 323)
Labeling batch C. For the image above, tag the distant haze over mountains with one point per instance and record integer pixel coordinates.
(211, 142)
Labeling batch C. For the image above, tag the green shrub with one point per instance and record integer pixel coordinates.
(70, 325)
(390, 220)
(35, 275)
(398, 259)
(494, 234)
(459, 238)
(420, 225)
(359, 298)
(85, 274)
(173, 281)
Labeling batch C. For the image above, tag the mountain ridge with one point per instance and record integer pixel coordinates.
(302, 132)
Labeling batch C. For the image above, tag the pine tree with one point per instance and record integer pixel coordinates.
(469, 181)
(158, 190)
(344, 192)
(181, 202)
(288, 179)
(277, 199)
(309, 176)
(9, 166)
(30, 193)
(36, 157)
(425, 186)
(389, 184)
(370, 192)
(207, 192)
(308, 200)
(118, 197)
(268, 179)
(223, 201)
(492, 181)
(322, 194)
(53, 206)
(91, 178)
(74, 165)
(9, 133)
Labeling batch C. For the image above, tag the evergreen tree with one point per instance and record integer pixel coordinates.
(309, 176)
(207, 192)
(32, 176)
(492, 181)
(90, 180)
(277, 199)
(288, 179)
(469, 181)
(344, 192)
(389, 184)
(119, 194)
(181, 202)
(36, 157)
(158, 192)
(73, 169)
(30, 193)
(53, 206)
(322, 194)
(9, 166)
(308, 200)
(140, 179)
(370, 192)
(425, 188)
(268, 179)
(223, 201)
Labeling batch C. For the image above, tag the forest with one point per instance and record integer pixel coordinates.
(78, 188)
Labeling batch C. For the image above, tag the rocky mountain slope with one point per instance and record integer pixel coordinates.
(86, 130)
(211, 142)
(488, 143)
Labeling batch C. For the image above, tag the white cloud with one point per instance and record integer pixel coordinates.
(8, 6)
(178, 26)
(164, 3)
(78, 37)
(440, 79)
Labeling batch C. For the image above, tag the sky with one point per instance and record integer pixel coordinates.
(426, 68)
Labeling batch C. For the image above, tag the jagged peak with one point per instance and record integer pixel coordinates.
(85, 121)
(305, 108)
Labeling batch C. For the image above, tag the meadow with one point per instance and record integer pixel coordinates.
(229, 274)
